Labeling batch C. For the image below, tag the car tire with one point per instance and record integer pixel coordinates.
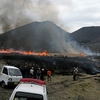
(3, 84)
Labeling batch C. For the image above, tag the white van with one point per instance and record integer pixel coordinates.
(10, 76)
(30, 89)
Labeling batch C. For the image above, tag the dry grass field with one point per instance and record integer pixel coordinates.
(64, 54)
(87, 87)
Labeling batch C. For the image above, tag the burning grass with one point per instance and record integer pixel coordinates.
(11, 51)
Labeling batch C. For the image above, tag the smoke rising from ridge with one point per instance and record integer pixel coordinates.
(40, 36)
(15, 13)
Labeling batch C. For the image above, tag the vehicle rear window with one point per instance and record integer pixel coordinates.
(27, 96)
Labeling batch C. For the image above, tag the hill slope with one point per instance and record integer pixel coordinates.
(88, 36)
(40, 36)
(36, 36)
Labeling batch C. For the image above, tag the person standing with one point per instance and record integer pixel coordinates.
(77, 76)
(32, 72)
(75, 71)
(39, 73)
(42, 74)
(49, 73)
(26, 74)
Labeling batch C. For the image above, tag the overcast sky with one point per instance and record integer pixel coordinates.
(79, 13)
(68, 14)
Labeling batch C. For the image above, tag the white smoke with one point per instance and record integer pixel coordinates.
(15, 13)
(75, 48)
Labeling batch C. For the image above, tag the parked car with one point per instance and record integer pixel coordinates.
(29, 89)
(10, 76)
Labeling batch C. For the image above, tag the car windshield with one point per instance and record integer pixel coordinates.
(14, 72)
(27, 96)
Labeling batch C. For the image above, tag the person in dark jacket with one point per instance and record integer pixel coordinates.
(39, 73)
(42, 73)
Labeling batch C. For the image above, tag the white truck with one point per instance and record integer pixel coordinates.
(10, 76)
(29, 89)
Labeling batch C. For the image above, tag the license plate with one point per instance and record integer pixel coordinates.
(15, 83)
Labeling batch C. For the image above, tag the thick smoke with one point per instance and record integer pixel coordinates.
(47, 11)
(15, 13)
(74, 47)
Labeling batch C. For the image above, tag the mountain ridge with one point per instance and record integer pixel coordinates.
(40, 36)
(36, 36)
(88, 36)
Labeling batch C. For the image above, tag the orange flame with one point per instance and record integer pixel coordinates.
(83, 54)
(44, 53)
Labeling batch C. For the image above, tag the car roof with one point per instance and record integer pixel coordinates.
(8, 66)
(31, 88)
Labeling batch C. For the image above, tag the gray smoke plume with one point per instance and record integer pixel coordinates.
(15, 13)
(47, 11)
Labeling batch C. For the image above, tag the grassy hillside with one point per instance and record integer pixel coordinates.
(86, 34)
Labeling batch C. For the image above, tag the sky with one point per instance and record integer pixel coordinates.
(70, 15)
(75, 14)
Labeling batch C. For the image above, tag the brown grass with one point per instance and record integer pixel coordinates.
(87, 87)
(64, 54)
(64, 88)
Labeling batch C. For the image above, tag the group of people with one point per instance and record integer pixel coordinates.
(41, 73)
(38, 73)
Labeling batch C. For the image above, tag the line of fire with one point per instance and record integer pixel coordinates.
(59, 64)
